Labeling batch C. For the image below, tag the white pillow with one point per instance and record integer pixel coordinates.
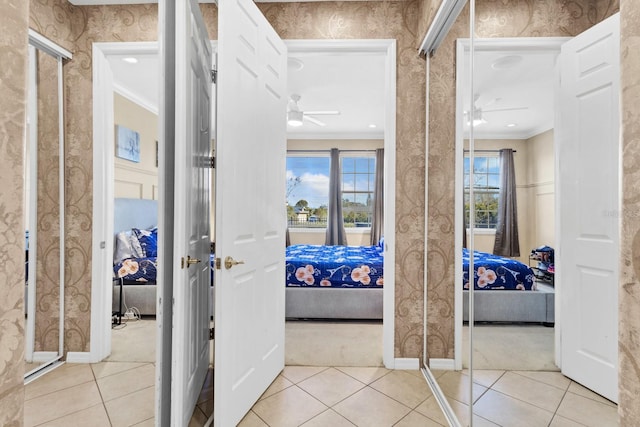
(123, 248)
(136, 247)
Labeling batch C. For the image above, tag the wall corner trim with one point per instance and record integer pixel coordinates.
(442, 364)
(411, 364)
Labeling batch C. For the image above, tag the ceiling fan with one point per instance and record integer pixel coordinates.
(295, 116)
(478, 111)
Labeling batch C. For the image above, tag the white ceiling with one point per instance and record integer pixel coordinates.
(527, 84)
(139, 82)
(351, 84)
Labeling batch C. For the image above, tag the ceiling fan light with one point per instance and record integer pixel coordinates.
(294, 118)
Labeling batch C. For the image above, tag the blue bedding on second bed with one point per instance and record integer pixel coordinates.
(493, 272)
(334, 266)
(143, 270)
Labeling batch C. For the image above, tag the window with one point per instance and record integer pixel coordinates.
(486, 189)
(358, 184)
(307, 190)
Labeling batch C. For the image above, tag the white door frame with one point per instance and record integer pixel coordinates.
(386, 47)
(103, 176)
(525, 43)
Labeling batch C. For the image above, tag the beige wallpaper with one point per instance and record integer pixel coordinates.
(13, 57)
(629, 342)
(494, 18)
(390, 20)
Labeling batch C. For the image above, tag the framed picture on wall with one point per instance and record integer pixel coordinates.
(127, 144)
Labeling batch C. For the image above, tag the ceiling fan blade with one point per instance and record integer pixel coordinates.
(314, 121)
(495, 110)
(323, 113)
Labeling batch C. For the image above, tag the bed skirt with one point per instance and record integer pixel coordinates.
(143, 297)
(511, 306)
(333, 303)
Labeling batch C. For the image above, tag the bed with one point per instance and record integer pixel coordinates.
(505, 291)
(334, 282)
(135, 255)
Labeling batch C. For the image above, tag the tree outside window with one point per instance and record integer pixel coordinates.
(486, 189)
(307, 190)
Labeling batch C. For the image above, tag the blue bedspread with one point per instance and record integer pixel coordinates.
(494, 272)
(136, 269)
(143, 270)
(334, 266)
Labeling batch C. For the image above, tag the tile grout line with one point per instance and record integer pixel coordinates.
(104, 406)
(541, 382)
(70, 413)
(558, 407)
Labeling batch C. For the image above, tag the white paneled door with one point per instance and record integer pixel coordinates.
(589, 202)
(250, 208)
(191, 272)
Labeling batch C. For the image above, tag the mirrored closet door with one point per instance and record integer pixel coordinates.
(44, 207)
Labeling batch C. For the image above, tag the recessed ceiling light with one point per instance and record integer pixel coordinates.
(512, 125)
(506, 62)
(130, 60)
(372, 126)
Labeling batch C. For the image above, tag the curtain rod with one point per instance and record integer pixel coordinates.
(487, 151)
(328, 151)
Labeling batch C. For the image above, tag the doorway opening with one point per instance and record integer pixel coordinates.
(345, 92)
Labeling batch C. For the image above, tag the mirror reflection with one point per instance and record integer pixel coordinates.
(514, 123)
(44, 195)
(513, 184)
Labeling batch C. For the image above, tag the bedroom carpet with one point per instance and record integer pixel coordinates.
(134, 341)
(320, 343)
(511, 347)
(307, 343)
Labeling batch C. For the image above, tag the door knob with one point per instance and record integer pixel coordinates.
(230, 262)
(192, 261)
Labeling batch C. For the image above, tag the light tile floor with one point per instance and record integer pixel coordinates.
(122, 394)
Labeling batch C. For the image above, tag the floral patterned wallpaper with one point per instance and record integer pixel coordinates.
(629, 293)
(13, 57)
(494, 18)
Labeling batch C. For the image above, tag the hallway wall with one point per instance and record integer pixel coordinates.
(13, 57)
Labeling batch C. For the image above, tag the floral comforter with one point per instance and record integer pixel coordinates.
(493, 272)
(334, 266)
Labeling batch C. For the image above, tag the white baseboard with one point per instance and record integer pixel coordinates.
(44, 356)
(79, 357)
(442, 364)
(411, 364)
